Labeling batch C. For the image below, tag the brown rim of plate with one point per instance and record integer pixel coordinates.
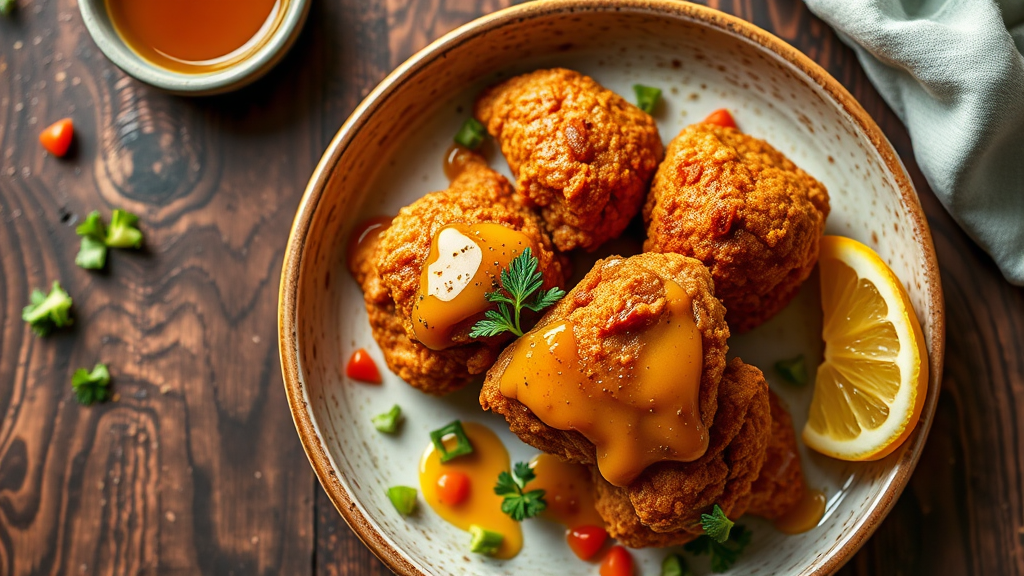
(840, 551)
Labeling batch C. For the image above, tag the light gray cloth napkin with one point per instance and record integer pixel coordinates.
(952, 70)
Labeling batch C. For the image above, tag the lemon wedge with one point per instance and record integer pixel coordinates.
(870, 389)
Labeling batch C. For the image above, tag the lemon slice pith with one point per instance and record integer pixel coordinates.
(870, 389)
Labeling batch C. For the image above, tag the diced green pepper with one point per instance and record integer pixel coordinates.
(388, 421)
(484, 541)
(471, 135)
(462, 446)
(403, 498)
(646, 97)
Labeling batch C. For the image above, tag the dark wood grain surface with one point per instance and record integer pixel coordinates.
(196, 468)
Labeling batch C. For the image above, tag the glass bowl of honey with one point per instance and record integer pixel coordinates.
(194, 47)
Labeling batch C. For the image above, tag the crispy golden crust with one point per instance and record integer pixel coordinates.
(663, 507)
(579, 152)
(780, 485)
(617, 296)
(741, 207)
(389, 273)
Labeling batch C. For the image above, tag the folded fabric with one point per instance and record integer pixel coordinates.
(952, 70)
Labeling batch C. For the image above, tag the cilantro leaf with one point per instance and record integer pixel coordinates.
(519, 281)
(519, 505)
(123, 233)
(723, 555)
(92, 386)
(48, 311)
(716, 525)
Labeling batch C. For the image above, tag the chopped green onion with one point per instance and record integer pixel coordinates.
(388, 421)
(484, 541)
(403, 498)
(462, 445)
(793, 370)
(675, 565)
(646, 97)
(471, 135)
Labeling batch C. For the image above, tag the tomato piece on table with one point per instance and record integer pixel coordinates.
(362, 368)
(618, 562)
(56, 138)
(585, 541)
(722, 117)
(453, 488)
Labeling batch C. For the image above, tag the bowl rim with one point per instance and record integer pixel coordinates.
(840, 552)
(233, 77)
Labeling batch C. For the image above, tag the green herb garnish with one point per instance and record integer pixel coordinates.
(7, 7)
(462, 444)
(646, 97)
(518, 282)
(723, 554)
(403, 498)
(675, 565)
(793, 370)
(471, 135)
(519, 505)
(484, 541)
(388, 421)
(92, 386)
(48, 311)
(716, 525)
(92, 254)
(123, 232)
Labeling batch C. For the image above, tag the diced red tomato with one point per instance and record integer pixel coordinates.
(453, 488)
(57, 137)
(618, 562)
(585, 541)
(362, 368)
(722, 117)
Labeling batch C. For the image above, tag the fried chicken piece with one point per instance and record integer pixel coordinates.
(618, 297)
(663, 507)
(580, 153)
(781, 484)
(389, 271)
(741, 207)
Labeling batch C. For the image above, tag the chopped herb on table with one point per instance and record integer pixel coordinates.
(91, 387)
(388, 421)
(471, 135)
(48, 311)
(518, 282)
(462, 444)
(123, 232)
(484, 541)
(722, 541)
(793, 370)
(647, 97)
(518, 503)
(96, 237)
(403, 498)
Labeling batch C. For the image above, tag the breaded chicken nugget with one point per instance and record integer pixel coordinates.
(741, 207)
(390, 269)
(781, 484)
(579, 152)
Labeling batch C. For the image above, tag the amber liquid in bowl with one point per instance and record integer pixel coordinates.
(195, 36)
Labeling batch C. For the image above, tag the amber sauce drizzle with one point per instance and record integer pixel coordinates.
(464, 263)
(568, 491)
(807, 513)
(483, 506)
(645, 412)
(455, 160)
(365, 234)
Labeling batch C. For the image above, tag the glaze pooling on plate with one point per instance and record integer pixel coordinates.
(396, 155)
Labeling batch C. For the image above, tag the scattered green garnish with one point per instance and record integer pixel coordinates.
(518, 282)
(91, 387)
(484, 541)
(716, 525)
(123, 232)
(403, 498)
(388, 421)
(793, 370)
(462, 445)
(471, 135)
(7, 7)
(646, 97)
(723, 555)
(48, 311)
(519, 505)
(675, 565)
(92, 254)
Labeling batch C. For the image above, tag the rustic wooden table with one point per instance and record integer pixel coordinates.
(197, 467)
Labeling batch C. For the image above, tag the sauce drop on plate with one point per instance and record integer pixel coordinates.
(365, 235)
(637, 414)
(805, 515)
(567, 491)
(482, 507)
(455, 160)
(194, 36)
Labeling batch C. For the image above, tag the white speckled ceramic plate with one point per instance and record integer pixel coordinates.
(390, 152)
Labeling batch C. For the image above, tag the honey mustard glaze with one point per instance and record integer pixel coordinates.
(637, 413)
(806, 515)
(464, 264)
(568, 491)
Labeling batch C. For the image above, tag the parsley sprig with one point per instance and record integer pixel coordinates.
(518, 504)
(723, 541)
(518, 283)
